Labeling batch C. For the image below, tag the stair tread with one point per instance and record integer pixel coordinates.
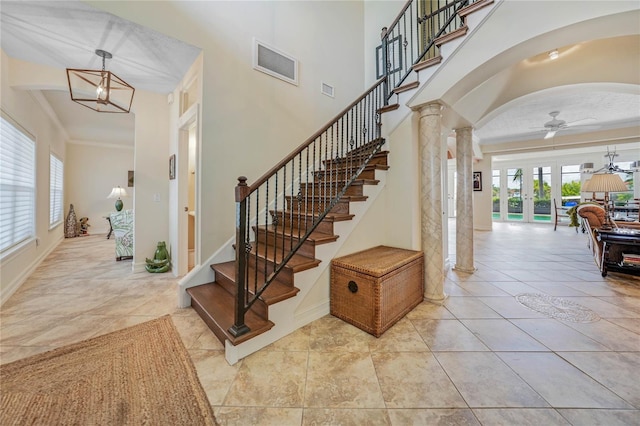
(297, 263)
(216, 306)
(406, 87)
(390, 107)
(276, 292)
(427, 63)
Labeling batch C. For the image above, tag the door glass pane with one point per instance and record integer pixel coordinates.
(514, 192)
(542, 194)
(495, 190)
(570, 189)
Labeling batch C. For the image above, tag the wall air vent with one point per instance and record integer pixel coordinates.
(274, 62)
(326, 89)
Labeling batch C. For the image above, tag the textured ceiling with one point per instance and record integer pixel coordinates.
(65, 34)
(583, 111)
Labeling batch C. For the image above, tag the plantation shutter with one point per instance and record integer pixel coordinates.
(56, 173)
(17, 185)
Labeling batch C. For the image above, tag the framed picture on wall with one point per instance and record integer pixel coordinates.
(172, 166)
(130, 178)
(477, 181)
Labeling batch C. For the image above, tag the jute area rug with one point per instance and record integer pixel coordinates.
(141, 375)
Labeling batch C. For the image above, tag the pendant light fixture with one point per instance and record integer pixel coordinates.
(100, 90)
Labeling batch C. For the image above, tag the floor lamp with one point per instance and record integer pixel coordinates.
(606, 183)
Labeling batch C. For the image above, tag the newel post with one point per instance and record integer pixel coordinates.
(242, 192)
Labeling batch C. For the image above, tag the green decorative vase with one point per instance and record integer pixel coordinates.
(119, 204)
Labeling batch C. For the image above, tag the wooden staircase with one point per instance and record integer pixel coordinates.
(215, 301)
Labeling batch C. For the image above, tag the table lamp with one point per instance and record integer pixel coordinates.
(606, 183)
(118, 192)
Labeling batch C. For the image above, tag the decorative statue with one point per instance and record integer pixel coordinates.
(70, 225)
(160, 261)
(83, 225)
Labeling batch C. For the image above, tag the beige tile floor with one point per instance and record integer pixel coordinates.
(482, 358)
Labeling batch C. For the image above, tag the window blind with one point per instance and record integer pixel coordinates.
(56, 173)
(17, 185)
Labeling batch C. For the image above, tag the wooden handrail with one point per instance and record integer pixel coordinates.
(306, 143)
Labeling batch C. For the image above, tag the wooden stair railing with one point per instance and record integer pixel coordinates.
(415, 36)
(277, 214)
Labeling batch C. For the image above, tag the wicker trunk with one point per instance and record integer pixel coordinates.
(373, 289)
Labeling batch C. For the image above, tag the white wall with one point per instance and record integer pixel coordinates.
(91, 172)
(21, 106)
(251, 120)
(377, 14)
(482, 200)
(151, 166)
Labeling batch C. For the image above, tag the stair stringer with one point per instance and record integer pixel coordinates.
(391, 120)
(285, 314)
(203, 274)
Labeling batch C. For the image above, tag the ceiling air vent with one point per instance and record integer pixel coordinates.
(326, 89)
(274, 62)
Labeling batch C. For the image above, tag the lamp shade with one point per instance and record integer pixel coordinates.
(118, 192)
(605, 182)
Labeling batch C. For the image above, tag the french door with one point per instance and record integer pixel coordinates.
(524, 194)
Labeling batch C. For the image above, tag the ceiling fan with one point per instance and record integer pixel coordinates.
(554, 125)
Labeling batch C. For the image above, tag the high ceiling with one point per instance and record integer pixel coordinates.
(65, 34)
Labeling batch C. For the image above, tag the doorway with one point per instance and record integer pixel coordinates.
(188, 184)
(523, 194)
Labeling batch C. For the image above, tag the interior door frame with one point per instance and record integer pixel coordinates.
(187, 121)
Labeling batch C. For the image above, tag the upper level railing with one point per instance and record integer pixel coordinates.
(410, 39)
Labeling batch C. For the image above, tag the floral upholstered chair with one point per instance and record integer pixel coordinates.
(122, 224)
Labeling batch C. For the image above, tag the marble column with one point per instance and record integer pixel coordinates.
(464, 200)
(432, 214)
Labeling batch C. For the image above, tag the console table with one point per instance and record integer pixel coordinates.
(620, 248)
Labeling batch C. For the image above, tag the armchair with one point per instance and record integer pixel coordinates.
(592, 217)
(122, 224)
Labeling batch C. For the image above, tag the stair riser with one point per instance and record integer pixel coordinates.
(318, 206)
(324, 226)
(380, 159)
(207, 320)
(230, 286)
(343, 175)
(319, 189)
(285, 276)
(308, 248)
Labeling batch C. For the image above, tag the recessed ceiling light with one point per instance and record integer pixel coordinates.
(554, 54)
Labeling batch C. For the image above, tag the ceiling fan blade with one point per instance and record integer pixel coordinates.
(550, 134)
(577, 121)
